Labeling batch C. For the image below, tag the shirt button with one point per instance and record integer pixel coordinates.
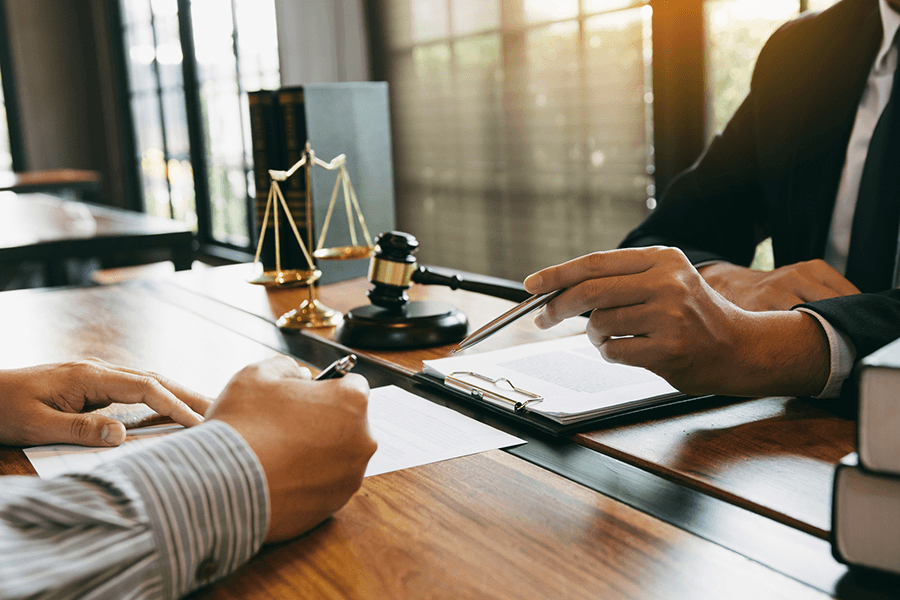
(207, 569)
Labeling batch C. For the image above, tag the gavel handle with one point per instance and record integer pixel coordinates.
(491, 286)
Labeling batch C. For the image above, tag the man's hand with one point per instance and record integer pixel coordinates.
(46, 404)
(780, 289)
(312, 438)
(652, 309)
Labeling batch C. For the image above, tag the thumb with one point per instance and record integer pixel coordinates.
(84, 429)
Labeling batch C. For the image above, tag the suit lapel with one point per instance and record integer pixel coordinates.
(826, 123)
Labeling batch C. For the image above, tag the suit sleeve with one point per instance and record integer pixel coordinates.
(869, 320)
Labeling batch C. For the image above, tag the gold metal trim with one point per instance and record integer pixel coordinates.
(390, 272)
(343, 253)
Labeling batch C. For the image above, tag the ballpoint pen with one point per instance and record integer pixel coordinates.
(513, 314)
(338, 368)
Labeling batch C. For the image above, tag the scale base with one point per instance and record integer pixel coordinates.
(416, 325)
(310, 314)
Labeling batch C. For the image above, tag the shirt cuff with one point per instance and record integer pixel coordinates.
(843, 353)
(205, 494)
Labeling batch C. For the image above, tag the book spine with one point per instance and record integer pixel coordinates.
(266, 155)
(293, 137)
(846, 463)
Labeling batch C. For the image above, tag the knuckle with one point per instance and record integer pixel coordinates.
(371, 447)
(595, 261)
(87, 366)
(146, 385)
(80, 427)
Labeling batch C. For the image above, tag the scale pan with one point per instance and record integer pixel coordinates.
(344, 252)
(289, 278)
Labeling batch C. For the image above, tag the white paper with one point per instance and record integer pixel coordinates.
(568, 373)
(410, 431)
(54, 459)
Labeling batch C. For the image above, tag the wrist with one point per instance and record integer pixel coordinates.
(782, 353)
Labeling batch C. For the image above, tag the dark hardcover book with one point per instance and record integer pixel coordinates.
(268, 153)
(879, 418)
(291, 142)
(865, 527)
(335, 118)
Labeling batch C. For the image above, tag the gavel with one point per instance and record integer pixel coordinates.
(393, 269)
(392, 320)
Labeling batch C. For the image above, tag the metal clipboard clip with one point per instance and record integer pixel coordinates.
(497, 399)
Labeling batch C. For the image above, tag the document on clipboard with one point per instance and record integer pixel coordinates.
(565, 381)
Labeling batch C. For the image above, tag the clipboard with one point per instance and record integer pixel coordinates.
(515, 407)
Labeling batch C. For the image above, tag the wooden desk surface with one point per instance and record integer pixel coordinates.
(484, 526)
(773, 456)
(45, 227)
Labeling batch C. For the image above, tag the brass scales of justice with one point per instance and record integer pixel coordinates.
(311, 313)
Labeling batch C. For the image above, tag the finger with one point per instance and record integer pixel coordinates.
(836, 282)
(598, 264)
(105, 383)
(85, 429)
(356, 382)
(281, 366)
(608, 292)
(638, 351)
(617, 322)
(195, 400)
(820, 272)
(816, 291)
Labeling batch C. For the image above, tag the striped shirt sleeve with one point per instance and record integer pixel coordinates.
(159, 523)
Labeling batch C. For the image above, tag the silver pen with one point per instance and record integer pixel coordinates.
(513, 314)
(338, 368)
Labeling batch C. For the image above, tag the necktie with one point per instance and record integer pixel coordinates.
(871, 261)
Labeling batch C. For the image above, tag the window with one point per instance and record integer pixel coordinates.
(190, 64)
(523, 129)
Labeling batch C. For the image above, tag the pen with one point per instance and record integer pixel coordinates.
(513, 314)
(338, 368)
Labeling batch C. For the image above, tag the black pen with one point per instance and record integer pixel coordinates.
(338, 368)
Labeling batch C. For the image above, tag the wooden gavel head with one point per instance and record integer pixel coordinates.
(391, 269)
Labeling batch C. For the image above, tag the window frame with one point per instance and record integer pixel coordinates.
(204, 240)
(11, 97)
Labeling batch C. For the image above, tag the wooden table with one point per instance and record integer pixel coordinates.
(45, 228)
(772, 456)
(86, 185)
(486, 526)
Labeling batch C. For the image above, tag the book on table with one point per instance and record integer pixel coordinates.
(879, 410)
(557, 385)
(350, 118)
(865, 528)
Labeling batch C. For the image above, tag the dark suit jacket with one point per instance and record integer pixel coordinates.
(775, 169)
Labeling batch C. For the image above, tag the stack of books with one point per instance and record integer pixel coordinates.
(334, 118)
(866, 508)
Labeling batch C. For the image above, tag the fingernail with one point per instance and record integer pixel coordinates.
(533, 282)
(113, 434)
